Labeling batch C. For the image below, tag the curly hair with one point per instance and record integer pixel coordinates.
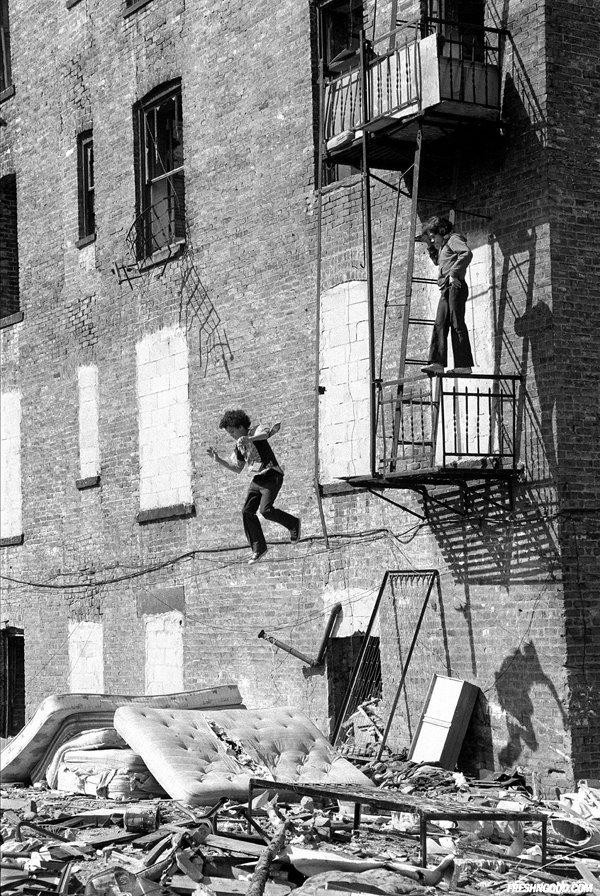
(439, 225)
(233, 419)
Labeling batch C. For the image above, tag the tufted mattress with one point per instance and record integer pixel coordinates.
(62, 716)
(201, 755)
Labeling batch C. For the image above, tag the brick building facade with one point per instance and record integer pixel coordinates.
(122, 545)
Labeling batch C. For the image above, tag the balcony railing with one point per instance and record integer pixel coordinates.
(435, 425)
(427, 64)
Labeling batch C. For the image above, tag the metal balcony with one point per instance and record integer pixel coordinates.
(448, 429)
(439, 74)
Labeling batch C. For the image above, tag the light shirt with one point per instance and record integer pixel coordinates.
(453, 260)
(255, 459)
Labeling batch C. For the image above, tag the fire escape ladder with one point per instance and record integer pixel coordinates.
(408, 320)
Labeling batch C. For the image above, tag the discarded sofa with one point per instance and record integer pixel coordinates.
(61, 717)
(198, 756)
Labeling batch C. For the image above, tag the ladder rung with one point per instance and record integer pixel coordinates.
(414, 361)
(424, 279)
(420, 320)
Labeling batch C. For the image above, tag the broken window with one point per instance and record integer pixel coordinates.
(161, 197)
(9, 250)
(85, 171)
(341, 24)
(12, 689)
(5, 69)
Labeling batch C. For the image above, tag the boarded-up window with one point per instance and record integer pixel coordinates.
(344, 403)
(164, 419)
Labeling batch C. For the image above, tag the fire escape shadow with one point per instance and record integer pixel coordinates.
(491, 543)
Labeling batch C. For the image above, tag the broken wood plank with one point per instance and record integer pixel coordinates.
(224, 886)
(230, 844)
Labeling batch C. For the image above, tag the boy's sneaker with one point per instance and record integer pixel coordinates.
(460, 371)
(295, 533)
(257, 555)
(432, 369)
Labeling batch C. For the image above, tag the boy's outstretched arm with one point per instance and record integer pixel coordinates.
(263, 432)
(235, 468)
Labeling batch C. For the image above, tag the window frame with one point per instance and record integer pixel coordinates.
(86, 186)
(7, 88)
(12, 715)
(132, 6)
(354, 12)
(168, 184)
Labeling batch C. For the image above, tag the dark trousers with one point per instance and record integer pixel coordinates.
(451, 316)
(263, 490)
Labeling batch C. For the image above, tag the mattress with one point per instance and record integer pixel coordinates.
(89, 741)
(199, 756)
(119, 774)
(62, 716)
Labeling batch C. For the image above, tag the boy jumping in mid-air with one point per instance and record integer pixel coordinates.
(252, 450)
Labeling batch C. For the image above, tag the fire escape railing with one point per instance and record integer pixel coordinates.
(468, 69)
(442, 425)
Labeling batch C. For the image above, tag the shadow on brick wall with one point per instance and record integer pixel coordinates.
(490, 543)
(518, 673)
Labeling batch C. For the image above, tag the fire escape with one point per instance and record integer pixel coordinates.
(394, 104)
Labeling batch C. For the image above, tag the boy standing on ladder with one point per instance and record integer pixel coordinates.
(450, 252)
(252, 450)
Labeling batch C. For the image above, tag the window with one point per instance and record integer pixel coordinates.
(461, 23)
(12, 689)
(9, 250)
(133, 5)
(161, 197)
(5, 71)
(85, 178)
(341, 24)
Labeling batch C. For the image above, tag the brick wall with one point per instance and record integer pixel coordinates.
(505, 620)
(574, 183)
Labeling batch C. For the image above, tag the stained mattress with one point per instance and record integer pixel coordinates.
(200, 756)
(61, 717)
(111, 774)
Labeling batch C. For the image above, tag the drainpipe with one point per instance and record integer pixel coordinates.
(366, 178)
(320, 657)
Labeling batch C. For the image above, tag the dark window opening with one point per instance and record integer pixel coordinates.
(341, 24)
(9, 249)
(5, 69)
(332, 173)
(12, 689)
(161, 192)
(461, 23)
(342, 656)
(85, 171)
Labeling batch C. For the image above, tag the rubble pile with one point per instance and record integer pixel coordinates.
(151, 799)
(56, 844)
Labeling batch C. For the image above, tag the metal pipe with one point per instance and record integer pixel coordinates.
(301, 656)
(320, 657)
(368, 250)
(319, 186)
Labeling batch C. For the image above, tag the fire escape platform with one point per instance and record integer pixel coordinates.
(414, 479)
(393, 138)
